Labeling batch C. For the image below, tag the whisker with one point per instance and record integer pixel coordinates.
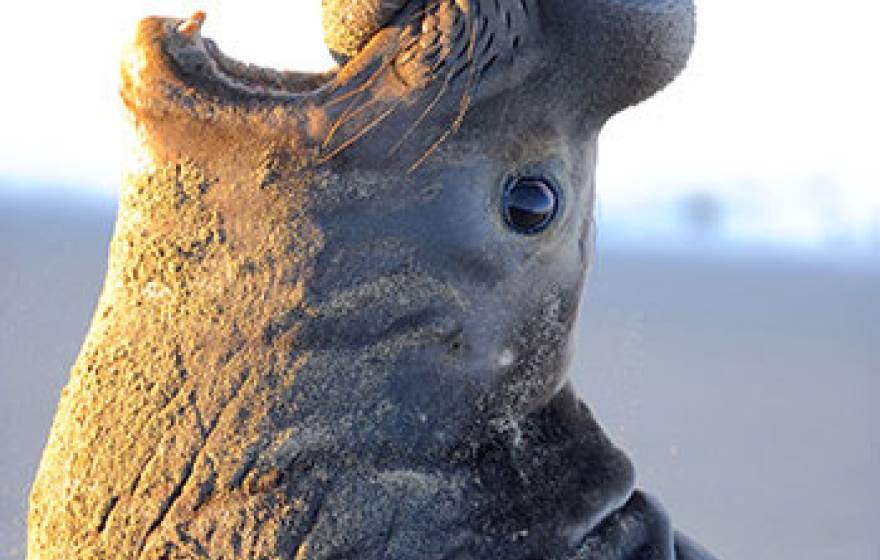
(427, 111)
(387, 61)
(358, 106)
(361, 133)
(347, 116)
(464, 104)
(368, 83)
(453, 128)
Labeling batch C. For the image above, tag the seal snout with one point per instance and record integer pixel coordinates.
(652, 42)
(618, 52)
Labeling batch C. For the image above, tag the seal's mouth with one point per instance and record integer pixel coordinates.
(169, 61)
(258, 79)
(201, 58)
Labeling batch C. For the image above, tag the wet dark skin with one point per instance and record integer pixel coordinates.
(338, 313)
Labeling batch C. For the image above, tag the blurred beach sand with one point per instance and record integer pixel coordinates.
(744, 388)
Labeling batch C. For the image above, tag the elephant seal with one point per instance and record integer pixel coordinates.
(338, 311)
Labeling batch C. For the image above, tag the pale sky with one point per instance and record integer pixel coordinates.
(777, 109)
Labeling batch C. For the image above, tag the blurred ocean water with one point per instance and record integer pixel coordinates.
(811, 223)
(742, 380)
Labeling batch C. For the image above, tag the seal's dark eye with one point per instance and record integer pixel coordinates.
(530, 204)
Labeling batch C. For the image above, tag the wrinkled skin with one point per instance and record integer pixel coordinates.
(319, 338)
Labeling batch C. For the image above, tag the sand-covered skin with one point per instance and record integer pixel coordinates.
(776, 360)
(328, 328)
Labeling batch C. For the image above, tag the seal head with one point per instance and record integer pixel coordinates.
(338, 312)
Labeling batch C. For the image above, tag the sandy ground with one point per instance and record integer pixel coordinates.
(745, 388)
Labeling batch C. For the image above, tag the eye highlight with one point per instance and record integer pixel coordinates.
(530, 204)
